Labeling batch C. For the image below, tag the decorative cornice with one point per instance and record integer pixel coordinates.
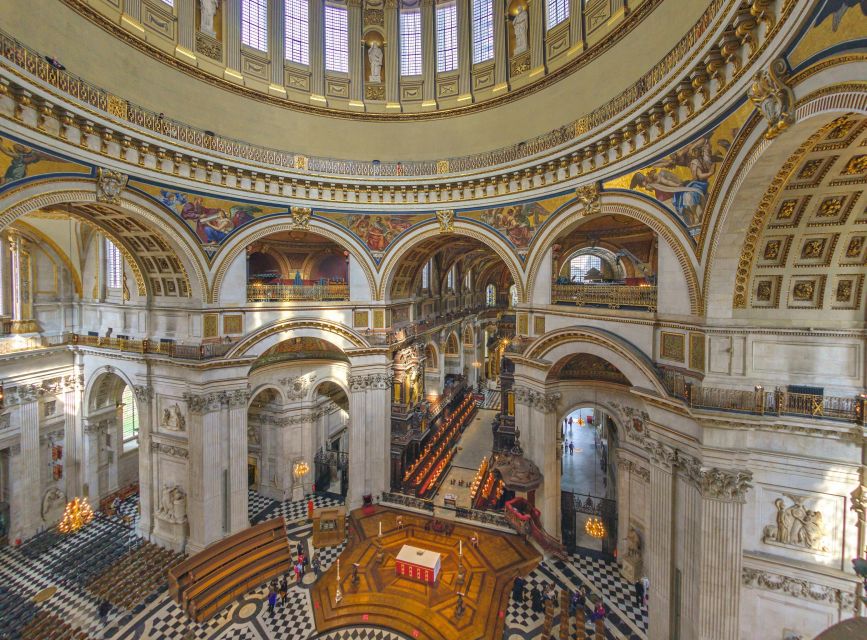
(372, 381)
(207, 402)
(170, 450)
(797, 588)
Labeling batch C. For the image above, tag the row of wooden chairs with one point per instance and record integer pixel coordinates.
(47, 626)
(205, 583)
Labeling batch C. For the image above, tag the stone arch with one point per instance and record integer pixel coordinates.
(431, 363)
(744, 197)
(630, 205)
(451, 339)
(98, 378)
(51, 193)
(268, 225)
(265, 386)
(269, 335)
(431, 229)
(628, 359)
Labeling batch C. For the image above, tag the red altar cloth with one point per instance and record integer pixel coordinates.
(417, 564)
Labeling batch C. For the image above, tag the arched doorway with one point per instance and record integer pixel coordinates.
(331, 471)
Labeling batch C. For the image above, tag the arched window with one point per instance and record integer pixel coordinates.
(254, 24)
(580, 265)
(425, 275)
(297, 26)
(129, 420)
(491, 295)
(336, 39)
(558, 11)
(450, 279)
(410, 43)
(468, 280)
(513, 296)
(447, 37)
(113, 266)
(483, 30)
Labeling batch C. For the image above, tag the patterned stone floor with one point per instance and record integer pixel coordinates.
(58, 562)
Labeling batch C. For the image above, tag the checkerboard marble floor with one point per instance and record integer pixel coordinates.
(55, 561)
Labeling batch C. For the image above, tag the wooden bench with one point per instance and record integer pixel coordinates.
(208, 581)
(120, 494)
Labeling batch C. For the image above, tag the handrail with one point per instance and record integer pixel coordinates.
(290, 292)
(612, 296)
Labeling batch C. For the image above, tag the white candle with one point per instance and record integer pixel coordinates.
(380, 527)
(460, 547)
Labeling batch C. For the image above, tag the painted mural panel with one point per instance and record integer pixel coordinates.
(682, 180)
(18, 161)
(376, 230)
(835, 21)
(212, 219)
(519, 223)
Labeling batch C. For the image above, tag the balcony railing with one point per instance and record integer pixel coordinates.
(612, 296)
(297, 292)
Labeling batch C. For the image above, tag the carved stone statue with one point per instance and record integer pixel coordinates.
(252, 434)
(633, 560)
(206, 14)
(633, 545)
(520, 24)
(52, 499)
(173, 504)
(773, 98)
(374, 55)
(796, 526)
(173, 418)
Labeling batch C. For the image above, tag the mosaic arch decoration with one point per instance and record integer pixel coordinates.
(833, 22)
(212, 219)
(682, 179)
(20, 163)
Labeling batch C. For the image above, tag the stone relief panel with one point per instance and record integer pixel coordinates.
(172, 415)
(795, 525)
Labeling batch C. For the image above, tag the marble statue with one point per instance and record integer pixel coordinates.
(173, 418)
(173, 504)
(207, 13)
(796, 526)
(520, 24)
(374, 55)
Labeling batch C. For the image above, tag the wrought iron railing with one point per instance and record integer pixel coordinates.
(612, 296)
(339, 459)
(403, 500)
(296, 292)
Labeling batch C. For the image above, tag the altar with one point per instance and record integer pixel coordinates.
(418, 564)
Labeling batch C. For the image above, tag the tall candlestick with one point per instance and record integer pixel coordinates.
(380, 527)
(460, 547)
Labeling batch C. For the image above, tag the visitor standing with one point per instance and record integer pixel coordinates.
(272, 601)
(639, 593)
(645, 582)
(536, 600)
(571, 448)
(284, 590)
(104, 608)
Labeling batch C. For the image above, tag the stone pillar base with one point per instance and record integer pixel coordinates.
(172, 535)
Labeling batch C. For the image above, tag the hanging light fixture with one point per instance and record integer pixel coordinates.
(594, 527)
(77, 514)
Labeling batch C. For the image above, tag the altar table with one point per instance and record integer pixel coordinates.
(418, 564)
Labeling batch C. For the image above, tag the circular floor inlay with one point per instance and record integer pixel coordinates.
(45, 594)
(247, 610)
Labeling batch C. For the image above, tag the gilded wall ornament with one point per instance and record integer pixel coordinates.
(830, 207)
(773, 98)
(590, 198)
(803, 291)
(301, 217)
(109, 185)
(813, 248)
(764, 291)
(446, 218)
(772, 250)
(855, 246)
(856, 166)
(844, 290)
(796, 525)
(787, 209)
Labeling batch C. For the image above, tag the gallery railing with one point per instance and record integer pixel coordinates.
(296, 292)
(612, 296)
(339, 459)
(403, 500)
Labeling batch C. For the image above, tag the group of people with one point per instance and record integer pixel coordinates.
(547, 593)
(279, 590)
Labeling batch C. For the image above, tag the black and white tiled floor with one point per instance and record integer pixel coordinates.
(60, 561)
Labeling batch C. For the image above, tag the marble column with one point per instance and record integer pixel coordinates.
(205, 503)
(465, 57)
(501, 54)
(428, 52)
(17, 499)
(187, 25)
(356, 53)
(147, 416)
(537, 36)
(94, 430)
(232, 38)
(317, 50)
(277, 44)
(536, 418)
(392, 54)
(237, 461)
(659, 541)
(720, 560)
(73, 389)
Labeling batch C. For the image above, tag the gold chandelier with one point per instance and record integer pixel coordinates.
(299, 469)
(594, 527)
(77, 514)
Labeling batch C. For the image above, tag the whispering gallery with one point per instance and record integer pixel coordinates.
(433, 319)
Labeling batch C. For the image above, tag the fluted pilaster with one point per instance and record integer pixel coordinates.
(659, 561)
(317, 50)
(132, 8)
(369, 432)
(465, 59)
(31, 486)
(537, 36)
(144, 397)
(392, 54)
(277, 43)
(428, 51)
(232, 37)
(576, 25)
(186, 24)
(356, 52)
(238, 517)
(501, 56)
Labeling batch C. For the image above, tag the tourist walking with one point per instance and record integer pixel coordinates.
(272, 601)
(536, 600)
(284, 590)
(639, 593)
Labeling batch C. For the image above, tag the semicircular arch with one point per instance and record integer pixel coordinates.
(431, 229)
(628, 205)
(267, 336)
(94, 386)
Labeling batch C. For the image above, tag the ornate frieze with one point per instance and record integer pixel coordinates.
(796, 588)
(206, 403)
(372, 381)
(170, 450)
(540, 401)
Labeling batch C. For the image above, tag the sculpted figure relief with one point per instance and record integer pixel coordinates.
(374, 55)
(173, 504)
(520, 24)
(796, 526)
(206, 15)
(173, 418)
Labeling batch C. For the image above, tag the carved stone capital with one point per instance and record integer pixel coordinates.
(859, 502)
(95, 427)
(661, 454)
(372, 381)
(143, 393)
(206, 403)
(239, 398)
(543, 402)
(724, 485)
